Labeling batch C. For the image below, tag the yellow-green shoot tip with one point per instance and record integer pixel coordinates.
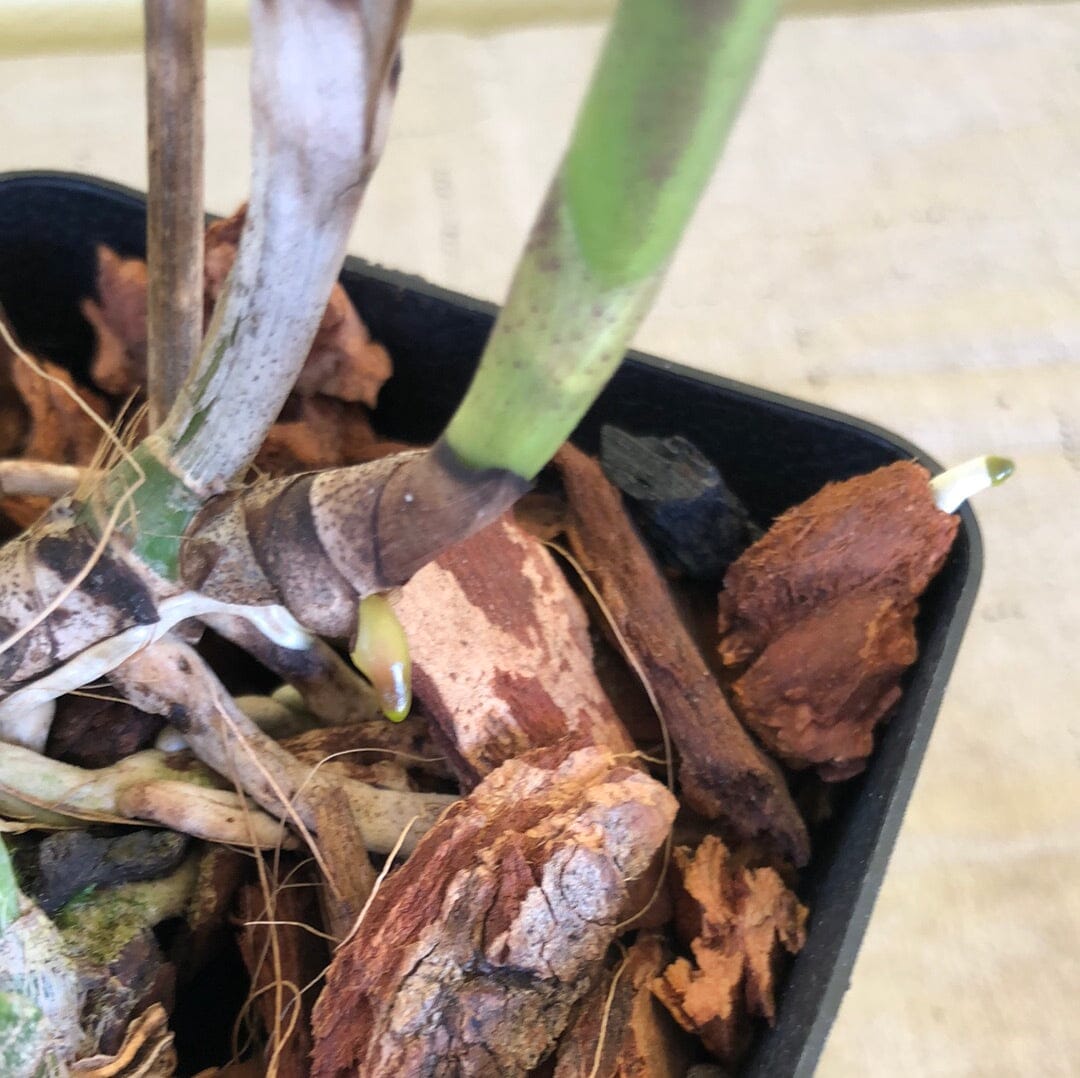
(381, 654)
(953, 487)
(999, 468)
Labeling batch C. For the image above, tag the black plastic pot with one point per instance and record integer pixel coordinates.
(775, 451)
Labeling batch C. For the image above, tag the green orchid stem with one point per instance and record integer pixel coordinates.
(156, 508)
(9, 889)
(665, 94)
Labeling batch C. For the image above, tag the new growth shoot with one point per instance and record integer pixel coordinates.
(381, 654)
(953, 487)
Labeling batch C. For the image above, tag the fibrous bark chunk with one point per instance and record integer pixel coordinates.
(502, 660)
(471, 955)
(737, 921)
(819, 615)
(635, 1036)
(57, 425)
(722, 773)
(343, 362)
(297, 959)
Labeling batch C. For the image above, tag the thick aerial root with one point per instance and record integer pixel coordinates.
(142, 787)
(331, 689)
(171, 679)
(38, 478)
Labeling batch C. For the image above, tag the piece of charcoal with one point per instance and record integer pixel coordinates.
(694, 523)
(70, 861)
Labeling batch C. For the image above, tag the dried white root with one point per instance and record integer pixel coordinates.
(39, 478)
(274, 622)
(171, 679)
(142, 787)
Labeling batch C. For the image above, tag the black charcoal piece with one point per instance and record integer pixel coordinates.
(70, 861)
(695, 525)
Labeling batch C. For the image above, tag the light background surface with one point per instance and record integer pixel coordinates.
(894, 232)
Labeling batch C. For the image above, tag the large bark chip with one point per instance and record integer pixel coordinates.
(502, 660)
(818, 617)
(722, 773)
(471, 956)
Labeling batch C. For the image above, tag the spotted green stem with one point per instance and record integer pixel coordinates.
(658, 112)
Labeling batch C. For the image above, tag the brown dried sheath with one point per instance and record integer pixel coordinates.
(317, 542)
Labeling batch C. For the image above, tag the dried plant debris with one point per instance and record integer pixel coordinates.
(283, 958)
(316, 432)
(343, 362)
(619, 1029)
(118, 318)
(147, 1051)
(738, 922)
(695, 525)
(817, 618)
(471, 956)
(221, 872)
(722, 773)
(502, 661)
(373, 741)
(57, 426)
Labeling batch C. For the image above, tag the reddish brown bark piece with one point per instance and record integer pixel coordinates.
(818, 616)
(296, 961)
(722, 773)
(118, 318)
(471, 955)
(879, 532)
(502, 660)
(737, 922)
(314, 433)
(817, 691)
(638, 1037)
(343, 363)
(57, 428)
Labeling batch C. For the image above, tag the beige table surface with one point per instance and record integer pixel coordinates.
(895, 232)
